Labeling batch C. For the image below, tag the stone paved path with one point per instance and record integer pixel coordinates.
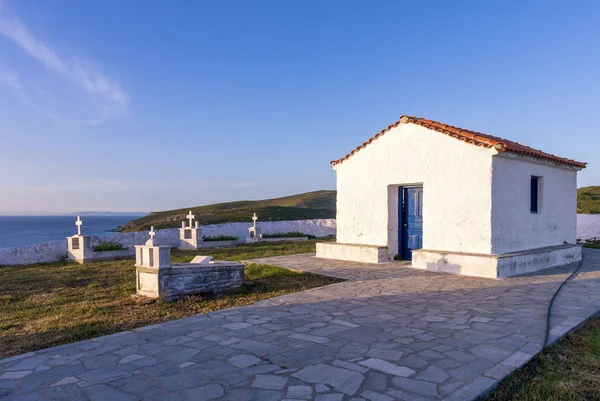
(390, 332)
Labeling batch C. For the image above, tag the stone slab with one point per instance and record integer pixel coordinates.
(380, 308)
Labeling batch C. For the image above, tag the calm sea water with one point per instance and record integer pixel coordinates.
(25, 230)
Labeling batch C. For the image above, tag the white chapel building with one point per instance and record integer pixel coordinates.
(454, 200)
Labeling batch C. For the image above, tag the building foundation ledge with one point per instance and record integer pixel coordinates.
(352, 252)
(496, 265)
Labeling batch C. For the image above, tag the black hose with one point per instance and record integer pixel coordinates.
(536, 358)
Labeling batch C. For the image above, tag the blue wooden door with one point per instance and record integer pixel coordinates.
(411, 220)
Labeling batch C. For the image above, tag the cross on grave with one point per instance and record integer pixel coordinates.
(78, 223)
(190, 217)
(253, 233)
(152, 233)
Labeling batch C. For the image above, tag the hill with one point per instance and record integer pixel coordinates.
(588, 200)
(310, 205)
(108, 214)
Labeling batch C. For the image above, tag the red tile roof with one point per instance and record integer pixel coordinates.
(475, 138)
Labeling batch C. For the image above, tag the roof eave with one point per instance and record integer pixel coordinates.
(568, 164)
(471, 137)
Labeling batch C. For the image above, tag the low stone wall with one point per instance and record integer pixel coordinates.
(36, 253)
(318, 228)
(588, 226)
(104, 255)
(352, 252)
(495, 266)
(536, 259)
(56, 250)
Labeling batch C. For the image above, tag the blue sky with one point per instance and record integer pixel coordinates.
(131, 105)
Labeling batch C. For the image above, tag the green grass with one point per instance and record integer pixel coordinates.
(568, 370)
(594, 244)
(51, 304)
(220, 238)
(588, 200)
(310, 205)
(112, 245)
(291, 234)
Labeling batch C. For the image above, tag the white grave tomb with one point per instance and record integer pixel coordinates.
(156, 277)
(79, 247)
(152, 255)
(254, 234)
(150, 259)
(190, 237)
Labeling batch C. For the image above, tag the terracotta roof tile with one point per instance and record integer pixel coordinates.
(472, 137)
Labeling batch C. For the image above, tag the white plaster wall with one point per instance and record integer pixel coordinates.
(588, 226)
(456, 179)
(494, 266)
(168, 236)
(514, 227)
(465, 264)
(527, 262)
(36, 253)
(355, 253)
(316, 227)
(55, 250)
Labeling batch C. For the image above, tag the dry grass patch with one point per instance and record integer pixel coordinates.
(568, 370)
(51, 304)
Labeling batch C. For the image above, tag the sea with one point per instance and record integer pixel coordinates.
(26, 230)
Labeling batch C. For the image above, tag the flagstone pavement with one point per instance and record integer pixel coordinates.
(389, 332)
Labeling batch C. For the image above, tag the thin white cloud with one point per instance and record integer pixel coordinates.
(113, 100)
(9, 78)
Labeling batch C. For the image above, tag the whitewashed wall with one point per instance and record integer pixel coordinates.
(474, 199)
(588, 226)
(35, 253)
(514, 227)
(55, 250)
(456, 179)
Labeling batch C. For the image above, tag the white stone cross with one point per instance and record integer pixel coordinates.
(190, 218)
(254, 218)
(152, 233)
(78, 223)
